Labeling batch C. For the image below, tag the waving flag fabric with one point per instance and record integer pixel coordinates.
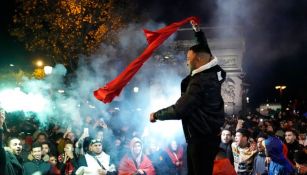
(154, 38)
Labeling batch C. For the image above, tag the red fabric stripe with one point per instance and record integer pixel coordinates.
(112, 89)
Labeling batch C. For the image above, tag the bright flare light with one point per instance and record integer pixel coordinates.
(16, 100)
(61, 91)
(135, 89)
(167, 129)
(48, 70)
(170, 128)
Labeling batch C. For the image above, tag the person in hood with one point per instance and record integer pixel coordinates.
(135, 162)
(279, 163)
(200, 107)
(174, 152)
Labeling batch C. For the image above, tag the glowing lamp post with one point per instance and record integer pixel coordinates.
(280, 88)
(39, 63)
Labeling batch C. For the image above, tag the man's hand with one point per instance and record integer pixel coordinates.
(102, 172)
(112, 168)
(267, 160)
(68, 129)
(302, 169)
(2, 120)
(152, 118)
(69, 154)
(240, 124)
(195, 26)
(65, 158)
(140, 171)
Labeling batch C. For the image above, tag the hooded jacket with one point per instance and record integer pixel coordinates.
(128, 165)
(279, 164)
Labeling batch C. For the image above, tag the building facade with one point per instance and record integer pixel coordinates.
(229, 51)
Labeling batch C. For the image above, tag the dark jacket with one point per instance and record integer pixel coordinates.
(200, 107)
(9, 164)
(2, 154)
(292, 149)
(37, 165)
(228, 151)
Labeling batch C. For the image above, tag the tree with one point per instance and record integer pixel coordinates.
(64, 29)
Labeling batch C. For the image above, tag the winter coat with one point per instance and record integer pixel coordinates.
(228, 151)
(9, 164)
(201, 106)
(37, 166)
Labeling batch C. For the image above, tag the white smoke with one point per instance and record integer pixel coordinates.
(70, 99)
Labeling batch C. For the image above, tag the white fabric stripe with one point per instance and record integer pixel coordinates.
(205, 67)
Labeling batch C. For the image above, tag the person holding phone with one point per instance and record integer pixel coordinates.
(83, 143)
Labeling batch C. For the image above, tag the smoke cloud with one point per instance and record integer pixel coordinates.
(69, 99)
(274, 35)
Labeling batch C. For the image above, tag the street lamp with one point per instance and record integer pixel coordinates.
(280, 88)
(39, 63)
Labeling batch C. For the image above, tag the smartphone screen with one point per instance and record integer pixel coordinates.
(85, 130)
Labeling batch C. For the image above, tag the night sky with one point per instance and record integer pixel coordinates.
(275, 33)
(11, 50)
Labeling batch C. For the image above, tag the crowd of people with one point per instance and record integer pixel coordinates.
(251, 144)
(93, 148)
(246, 145)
